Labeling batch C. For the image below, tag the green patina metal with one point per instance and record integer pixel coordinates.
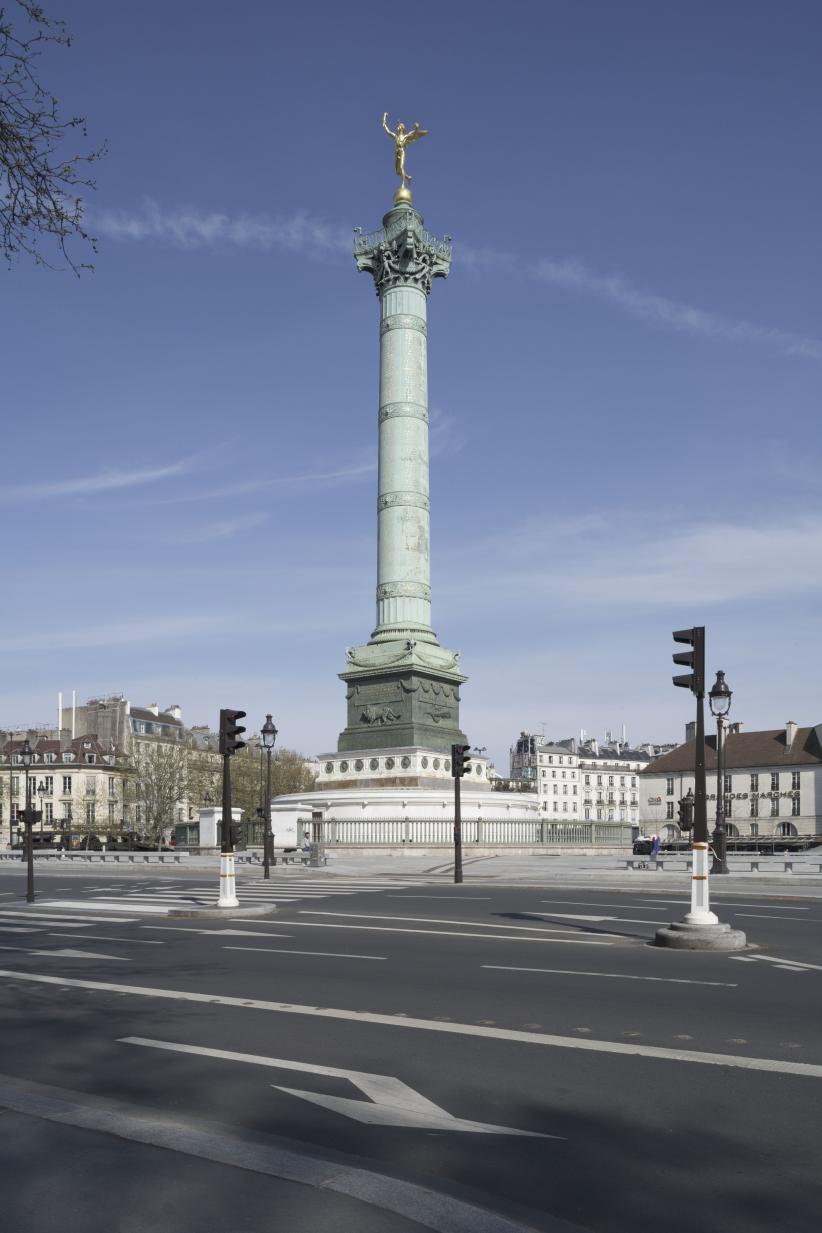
(403, 687)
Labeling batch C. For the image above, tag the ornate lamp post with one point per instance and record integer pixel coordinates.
(26, 758)
(719, 698)
(268, 734)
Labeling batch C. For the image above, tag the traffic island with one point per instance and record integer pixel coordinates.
(682, 935)
(216, 913)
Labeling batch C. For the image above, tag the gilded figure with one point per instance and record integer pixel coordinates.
(402, 139)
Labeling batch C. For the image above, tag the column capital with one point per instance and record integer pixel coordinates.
(402, 253)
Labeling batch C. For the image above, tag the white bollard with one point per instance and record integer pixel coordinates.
(228, 893)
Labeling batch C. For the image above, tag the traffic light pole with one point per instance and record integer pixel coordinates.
(457, 832)
(700, 913)
(228, 892)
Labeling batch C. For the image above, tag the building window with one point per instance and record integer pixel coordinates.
(754, 828)
(795, 781)
(112, 786)
(610, 781)
(587, 781)
(49, 757)
(49, 812)
(754, 781)
(599, 780)
(111, 813)
(727, 779)
(587, 815)
(795, 807)
(550, 757)
(599, 815)
(622, 781)
(669, 809)
(754, 806)
(774, 781)
(67, 814)
(91, 812)
(774, 806)
(48, 784)
(91, 759)
(67, 785)
(669, 786)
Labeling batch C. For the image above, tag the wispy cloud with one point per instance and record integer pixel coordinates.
(190, 228)
(657, 310)
(358, 468)
(661, 311)
(88, 485)
(124, 633)
(219, 529)
(577, 565)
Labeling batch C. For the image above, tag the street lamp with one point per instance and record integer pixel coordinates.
(26, 758)
(268, 734)
(719, 699)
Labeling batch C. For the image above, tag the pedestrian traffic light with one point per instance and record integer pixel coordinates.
(460, 762)
(230, 732)
(685, 810)
(694, 659)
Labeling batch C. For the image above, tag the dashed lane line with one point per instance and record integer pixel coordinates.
(806, 1070)
(668, 980)
(325, 954)
(455, 933)
(433, 920)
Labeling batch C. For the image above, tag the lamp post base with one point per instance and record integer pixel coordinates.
(683, 935)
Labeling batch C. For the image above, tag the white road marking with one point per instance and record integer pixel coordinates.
(237, 933)
(794, 963)
(108, 906)
(453, 933)
(66, 953)
(806, 920)
(625, 920)
(779, 907)
(328, 954)
(668, 980)
(778, 1066)
(58, 916)
(390, 1101)
(106, 937)
(473, 898)
(432, 920)
(21, 929)
(586, 903)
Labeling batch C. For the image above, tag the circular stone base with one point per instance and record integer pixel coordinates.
(681, 936)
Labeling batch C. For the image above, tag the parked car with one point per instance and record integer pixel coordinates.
(642, 845)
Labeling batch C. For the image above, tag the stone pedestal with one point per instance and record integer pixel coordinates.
(685, 936)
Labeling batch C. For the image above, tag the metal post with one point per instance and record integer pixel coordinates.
(720, 835)
(267, 818)
(228, 894)
(29, 844)
(457, 832)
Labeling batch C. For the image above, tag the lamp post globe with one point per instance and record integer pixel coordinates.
(719, 700)
(268, 735)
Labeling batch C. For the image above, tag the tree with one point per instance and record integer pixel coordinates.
(159, 777)
(288, 774)
(38, 180)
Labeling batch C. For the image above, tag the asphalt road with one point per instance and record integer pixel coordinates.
(406, 1056)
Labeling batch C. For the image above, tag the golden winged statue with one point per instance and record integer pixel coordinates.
(402, 139)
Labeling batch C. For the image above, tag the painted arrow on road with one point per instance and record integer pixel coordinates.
(390, 1101)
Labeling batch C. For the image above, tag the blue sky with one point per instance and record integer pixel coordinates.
(625, 362)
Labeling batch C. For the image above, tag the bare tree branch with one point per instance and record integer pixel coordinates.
(38, 182)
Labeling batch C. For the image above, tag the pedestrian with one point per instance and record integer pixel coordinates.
(655, 846)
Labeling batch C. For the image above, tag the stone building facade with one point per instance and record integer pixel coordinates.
(772, 783)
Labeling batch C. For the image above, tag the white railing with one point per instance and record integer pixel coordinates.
(493, 832)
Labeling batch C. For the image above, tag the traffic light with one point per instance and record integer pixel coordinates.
(460, 762)
(694, 659)
(685, 810)
(230, 732)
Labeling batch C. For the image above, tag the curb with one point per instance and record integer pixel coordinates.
(220, 913)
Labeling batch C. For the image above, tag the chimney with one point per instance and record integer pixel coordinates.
(690, 731)
(154, 708)
(790, 733)
(735, 728)
(176, 711)
(594, 743)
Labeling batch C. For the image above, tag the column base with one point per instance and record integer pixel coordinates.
(683, 935)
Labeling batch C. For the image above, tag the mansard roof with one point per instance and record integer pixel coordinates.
(747, 750)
